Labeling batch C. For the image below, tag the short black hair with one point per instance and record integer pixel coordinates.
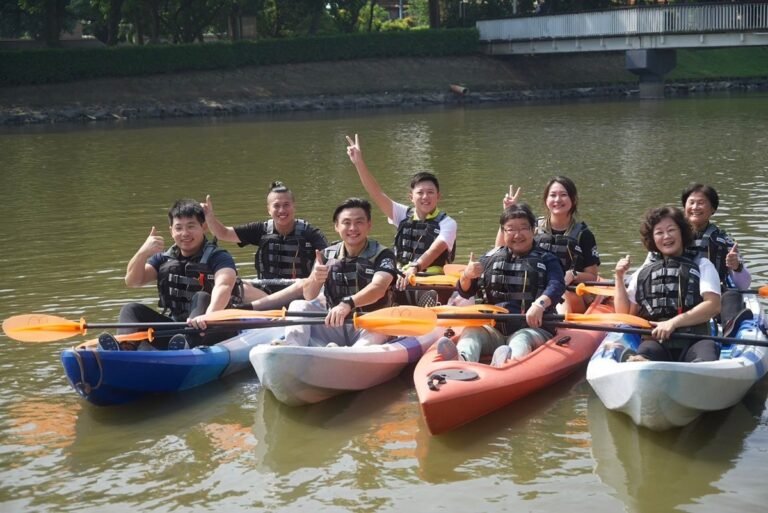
(424, 177)
(353, 203)
(706, 190)
(186, 208)
(518, 211)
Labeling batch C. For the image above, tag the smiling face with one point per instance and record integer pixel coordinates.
(558, 201)
(425, 196)
(698, 210)
(668, 237)
(188, 234)
(518, 235)
(280, 207)
(353, 226)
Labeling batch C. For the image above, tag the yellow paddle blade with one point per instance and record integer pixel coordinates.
(41, 328)
(608, 318)
(582, 290)
(454, 269)
(436, 279)
(235, 314)
(398, 321)
(468, 309)
(464, 323)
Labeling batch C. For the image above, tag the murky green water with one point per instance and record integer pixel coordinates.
(78, 202)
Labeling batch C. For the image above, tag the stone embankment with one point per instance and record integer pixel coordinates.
(204, 107)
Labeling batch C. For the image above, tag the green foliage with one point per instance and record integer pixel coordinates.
(45, 66)
(720, 63)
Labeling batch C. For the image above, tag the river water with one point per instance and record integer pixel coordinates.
(79, 200)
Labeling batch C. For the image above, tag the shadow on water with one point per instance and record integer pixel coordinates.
(315, 435)
(521, 442)
(664, 471)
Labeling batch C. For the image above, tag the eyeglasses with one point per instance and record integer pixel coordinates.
(512, 231)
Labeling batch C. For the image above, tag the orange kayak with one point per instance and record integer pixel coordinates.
(453, 393)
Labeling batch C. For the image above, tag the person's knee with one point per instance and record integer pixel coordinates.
(132, 312)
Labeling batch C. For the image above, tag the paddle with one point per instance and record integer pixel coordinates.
(607, 289)
(641, 331)
(397, 321)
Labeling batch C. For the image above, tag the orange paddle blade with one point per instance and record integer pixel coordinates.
(763, 291)
(41, 328)
(139, 335)
(465, 323)
(235, 314)
(468, 309)
(454, 269)
(398, 321)
(582, 289)
(608, 318)
(436, 279)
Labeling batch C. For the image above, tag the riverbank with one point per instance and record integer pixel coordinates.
(344, 85)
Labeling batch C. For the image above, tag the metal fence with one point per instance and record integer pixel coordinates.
(682, 19)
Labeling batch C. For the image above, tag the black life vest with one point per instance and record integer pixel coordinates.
(667, 287)
(508, 278)
(415, 236)
(290, 256)
(349, 275)
(711, 244)
(565, 246)
(179, 278)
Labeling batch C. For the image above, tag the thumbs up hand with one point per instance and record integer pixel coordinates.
(153, 244)
(474, 269)
(732, 258)
(320, 270)
(622, 266)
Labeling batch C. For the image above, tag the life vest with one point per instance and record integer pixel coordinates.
(711, 244)
(290, 256)
(179, 278)
(518, 279)
(565, 246)
(349, 275)
(415, 236)
(667, 287)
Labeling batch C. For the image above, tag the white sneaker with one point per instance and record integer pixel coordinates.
(501, 356)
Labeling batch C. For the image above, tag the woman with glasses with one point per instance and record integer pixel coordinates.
(518, 276)
(559, 232)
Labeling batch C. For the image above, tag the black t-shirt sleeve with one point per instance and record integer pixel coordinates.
(589, 250)
(250, 233)
(385, 262)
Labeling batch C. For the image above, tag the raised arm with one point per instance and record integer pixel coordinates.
(738, 272)
(139, 272)
(217, 228)
(370, 184)
(621, 300)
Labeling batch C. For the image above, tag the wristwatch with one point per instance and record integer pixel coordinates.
(348, 300)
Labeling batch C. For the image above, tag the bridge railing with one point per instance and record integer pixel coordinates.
(677, 19)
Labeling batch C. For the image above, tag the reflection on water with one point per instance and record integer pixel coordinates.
(79, 201)
(664, 471)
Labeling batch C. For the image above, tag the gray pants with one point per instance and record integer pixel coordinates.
(478, 341)
(319, 335)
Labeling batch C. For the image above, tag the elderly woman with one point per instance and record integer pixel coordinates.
(671, 289)
(518, 276)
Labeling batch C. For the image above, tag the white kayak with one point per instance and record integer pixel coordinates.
(299, 375)
(663, 395)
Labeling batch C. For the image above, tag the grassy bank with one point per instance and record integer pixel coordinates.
(721, 63)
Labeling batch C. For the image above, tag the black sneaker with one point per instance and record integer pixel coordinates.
(427, 298)
(108, 343)
(178, 342)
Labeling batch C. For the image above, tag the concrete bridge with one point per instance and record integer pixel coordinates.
(648, 35)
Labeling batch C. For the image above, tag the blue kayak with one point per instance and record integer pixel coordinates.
(114, 377)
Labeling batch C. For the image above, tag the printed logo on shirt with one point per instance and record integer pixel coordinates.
(388, 264)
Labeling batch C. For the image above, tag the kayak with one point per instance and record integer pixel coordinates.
(299, 375)
(663, 395)
(453, 393)
(114, 377)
